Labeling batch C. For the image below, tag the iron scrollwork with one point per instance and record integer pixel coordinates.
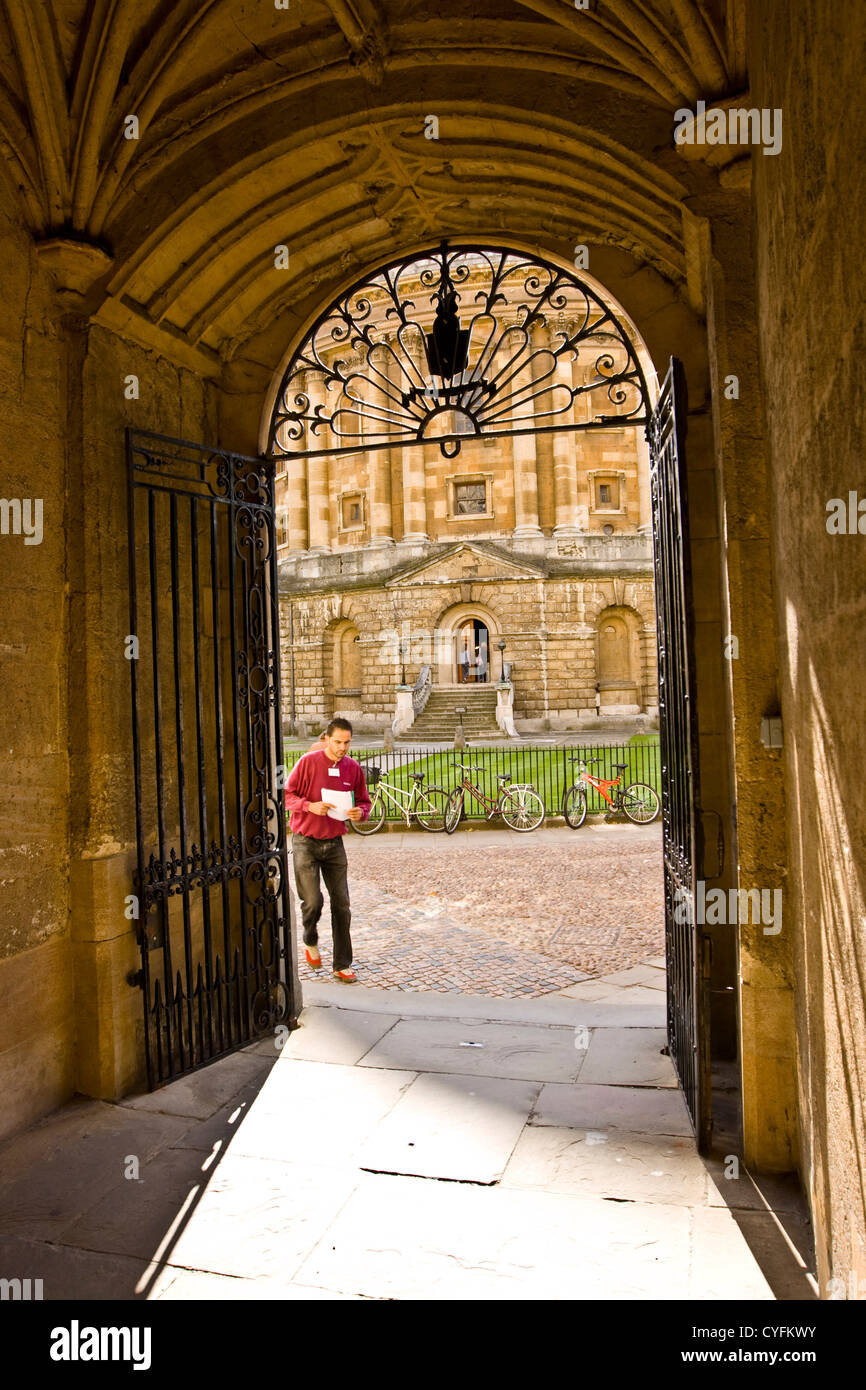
(453, 343)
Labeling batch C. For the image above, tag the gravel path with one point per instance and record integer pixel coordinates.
(502, 914)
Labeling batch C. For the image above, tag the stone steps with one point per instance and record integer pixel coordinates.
(439, 719)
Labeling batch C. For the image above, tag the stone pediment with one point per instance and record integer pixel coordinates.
(464, 562)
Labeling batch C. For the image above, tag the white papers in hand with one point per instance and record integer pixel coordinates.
(340, 801)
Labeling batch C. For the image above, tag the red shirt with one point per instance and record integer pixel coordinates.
(310, 779)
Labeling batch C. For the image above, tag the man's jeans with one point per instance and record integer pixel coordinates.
(329, 856)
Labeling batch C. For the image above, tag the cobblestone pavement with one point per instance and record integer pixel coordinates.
(494, 913)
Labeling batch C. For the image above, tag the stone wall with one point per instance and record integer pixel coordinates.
(809, 211)
(71, 1020)
(36, 1021)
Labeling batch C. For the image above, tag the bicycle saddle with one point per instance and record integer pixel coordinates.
(620, 767)
(503, 777)
(417, 776)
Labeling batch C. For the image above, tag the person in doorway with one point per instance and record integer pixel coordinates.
(464, 664)
(323, 782)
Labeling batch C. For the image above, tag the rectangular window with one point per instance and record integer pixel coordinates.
(352, 511)
(607, 495)
(470, 499)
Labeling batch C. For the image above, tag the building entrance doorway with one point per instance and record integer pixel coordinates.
(472, 652)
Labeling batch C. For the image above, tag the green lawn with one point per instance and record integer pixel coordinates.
(549, 770)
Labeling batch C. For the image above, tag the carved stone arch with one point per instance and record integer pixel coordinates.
(448, 668)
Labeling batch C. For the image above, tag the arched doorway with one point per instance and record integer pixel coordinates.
(619, 661)
(472, 652)
(517, 345)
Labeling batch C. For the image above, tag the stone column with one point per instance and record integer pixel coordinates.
(543, 442)
(565, 464)
(414, 488)
(523, 456)
(379, 465)
(296, 497)
(318, 509)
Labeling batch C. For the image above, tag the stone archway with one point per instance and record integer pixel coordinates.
(453, 637)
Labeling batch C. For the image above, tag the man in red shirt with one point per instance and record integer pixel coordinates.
(317, 839)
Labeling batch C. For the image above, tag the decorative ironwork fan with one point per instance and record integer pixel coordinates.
(496, 358)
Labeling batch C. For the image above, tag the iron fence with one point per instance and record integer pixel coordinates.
(551, 771)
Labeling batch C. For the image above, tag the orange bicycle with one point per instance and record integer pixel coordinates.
(639, 801)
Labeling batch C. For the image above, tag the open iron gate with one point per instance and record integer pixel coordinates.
(686, 946)
(214, 907)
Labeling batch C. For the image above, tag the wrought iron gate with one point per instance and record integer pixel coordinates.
(686, 944)
(214, 921)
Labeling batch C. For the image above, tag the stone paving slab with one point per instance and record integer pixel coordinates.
(259, 1218)
(639, 1109)
(510, 1051)
(649, 975)
(329, 1035)
(71, 1275)
(753, 1192)
(722, 1262)
(318, 1112)
(62, 1166)
(133, 1216)
(620, 1008)
(407, 1238)
(628, 1057)
(593, 991)
(450, 1126)
(183, 1285)
(203, 1092)
(615, 1164)
(264, 1196)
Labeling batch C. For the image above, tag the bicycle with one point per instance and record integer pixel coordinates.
(517, 803)
(427, 806)
(639, 801)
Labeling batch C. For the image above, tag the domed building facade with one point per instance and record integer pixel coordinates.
(506, 574)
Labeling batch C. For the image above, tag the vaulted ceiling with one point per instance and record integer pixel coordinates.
(306, 126)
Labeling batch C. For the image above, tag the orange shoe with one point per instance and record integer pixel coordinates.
(348, 977)
(314, 964)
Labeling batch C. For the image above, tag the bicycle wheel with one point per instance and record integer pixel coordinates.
(454, 811)
(574, 807)
(431, 808)
(640, 803)
(522, 809)
(375, 818)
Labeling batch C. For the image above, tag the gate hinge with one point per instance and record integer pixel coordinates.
(135, 977)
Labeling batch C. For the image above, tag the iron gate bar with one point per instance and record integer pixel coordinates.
(687, 999)
(234, 985)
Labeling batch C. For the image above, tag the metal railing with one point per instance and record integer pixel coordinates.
(551, 771)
